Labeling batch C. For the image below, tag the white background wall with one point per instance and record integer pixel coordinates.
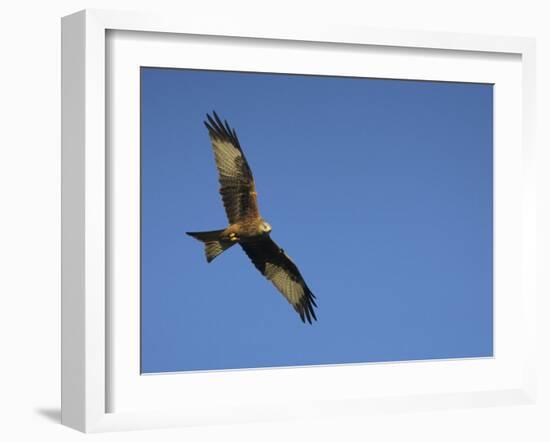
(30, 220)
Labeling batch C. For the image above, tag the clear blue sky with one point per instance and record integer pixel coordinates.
(380, 190)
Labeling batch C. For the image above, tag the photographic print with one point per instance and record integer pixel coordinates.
(295, 220)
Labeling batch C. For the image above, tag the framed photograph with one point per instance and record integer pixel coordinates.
(264, 222)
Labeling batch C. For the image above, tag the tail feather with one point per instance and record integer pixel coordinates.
(213, 245)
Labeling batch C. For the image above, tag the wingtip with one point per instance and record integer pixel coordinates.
(313, 314)
(307, 314)
(306, 310)
(214, 126)
(209, 123)
(221, 129)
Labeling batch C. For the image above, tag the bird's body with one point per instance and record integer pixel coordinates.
(246, 225)
(246, 230)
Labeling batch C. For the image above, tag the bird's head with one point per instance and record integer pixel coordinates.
(265, 227)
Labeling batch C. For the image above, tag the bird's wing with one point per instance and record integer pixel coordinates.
(277, 266)
(236, 182)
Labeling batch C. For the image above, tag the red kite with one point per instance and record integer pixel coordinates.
(246, 225)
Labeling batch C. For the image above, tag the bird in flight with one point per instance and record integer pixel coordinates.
(246, 225)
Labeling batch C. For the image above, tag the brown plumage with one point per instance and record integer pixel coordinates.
(246, 225)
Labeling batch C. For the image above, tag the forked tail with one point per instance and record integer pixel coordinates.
(213, 244)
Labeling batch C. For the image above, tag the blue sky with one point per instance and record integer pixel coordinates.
(380, 190)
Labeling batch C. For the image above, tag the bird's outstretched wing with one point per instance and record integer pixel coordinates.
(236, 182)
(277, 266)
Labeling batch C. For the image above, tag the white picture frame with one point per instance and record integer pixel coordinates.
(87, 319)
